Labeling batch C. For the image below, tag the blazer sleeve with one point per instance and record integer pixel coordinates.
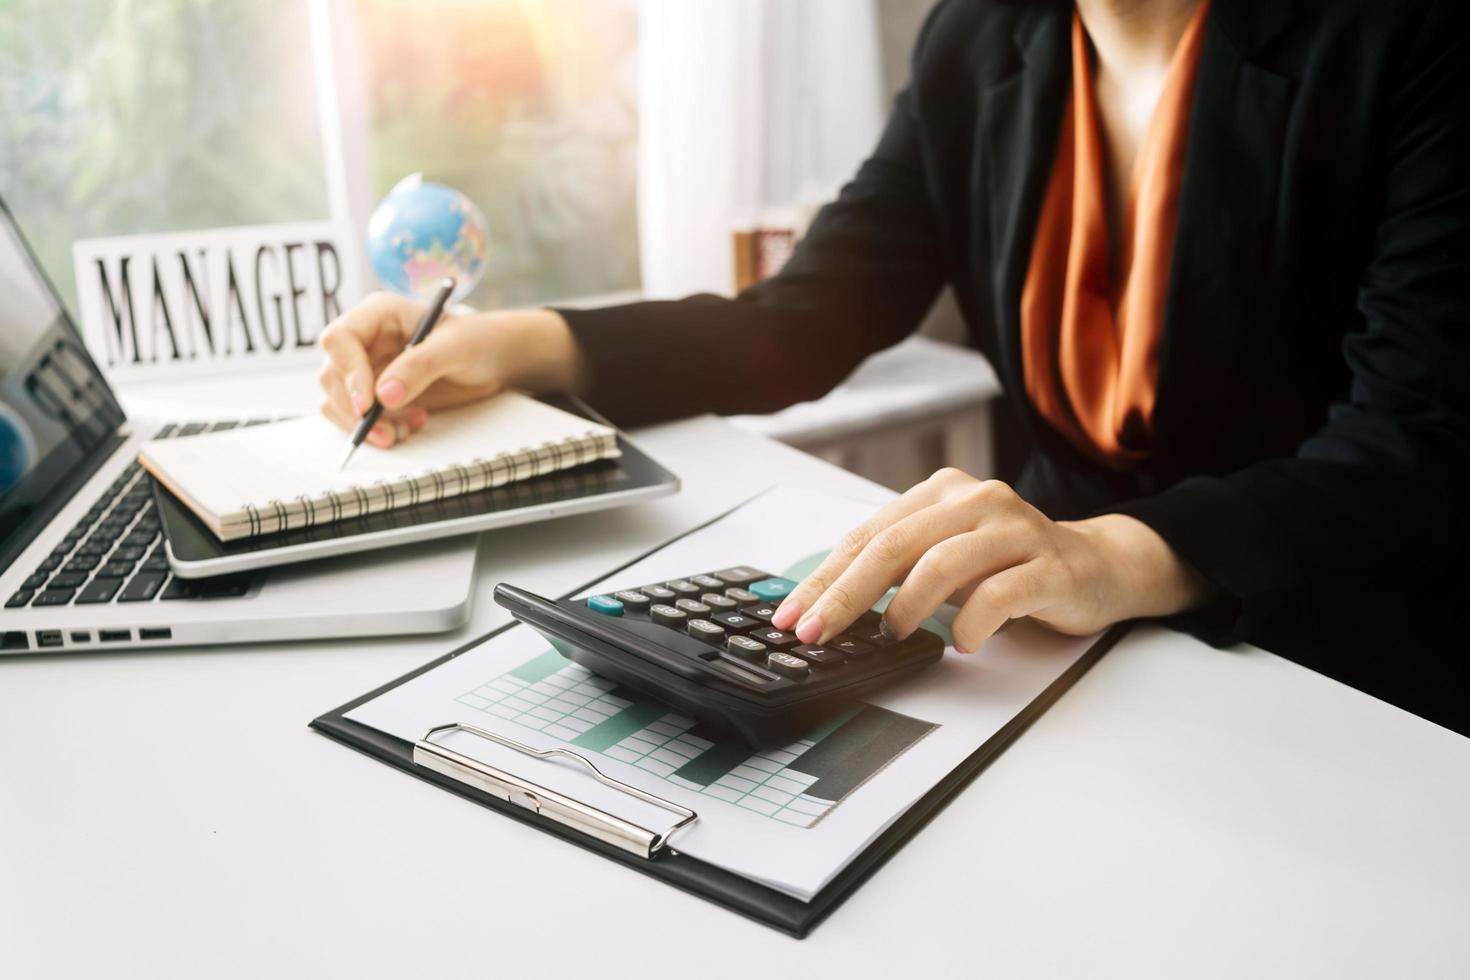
(860, 280)
(1378, 493)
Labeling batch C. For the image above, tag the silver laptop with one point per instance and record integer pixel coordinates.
(83, 560)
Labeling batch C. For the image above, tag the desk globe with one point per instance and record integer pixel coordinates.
(422, 232)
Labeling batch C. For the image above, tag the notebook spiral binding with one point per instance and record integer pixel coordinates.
(411, 489)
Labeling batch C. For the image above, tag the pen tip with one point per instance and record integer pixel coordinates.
(345, 457)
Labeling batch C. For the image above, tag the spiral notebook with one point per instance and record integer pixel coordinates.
(243, 483)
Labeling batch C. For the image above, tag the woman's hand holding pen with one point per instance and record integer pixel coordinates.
(467, 357)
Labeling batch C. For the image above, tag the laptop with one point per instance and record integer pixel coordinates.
(83, 558)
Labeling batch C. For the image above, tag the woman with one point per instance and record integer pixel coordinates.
(1219, 253)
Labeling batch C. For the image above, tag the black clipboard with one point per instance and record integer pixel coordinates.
(749, 898)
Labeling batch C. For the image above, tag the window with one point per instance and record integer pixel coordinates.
(166, 115)
(531, 112)
(120, 119)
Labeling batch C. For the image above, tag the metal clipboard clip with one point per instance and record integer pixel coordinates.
(548, 803)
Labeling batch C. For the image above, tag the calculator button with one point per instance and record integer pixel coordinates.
(786, 665)
(851, 646)
(746, 648)
(706, 581)
(683, 587)
(819, 655)
(718, 602)
(703, 629)
(778, 639)
(735, 621)
(872, 637)
(634, 601)
(658, 592)
(693, 608)
(763, 612)
(605, 604)
(739, 575)
(742, 595)
(668, 616)
(772, 589)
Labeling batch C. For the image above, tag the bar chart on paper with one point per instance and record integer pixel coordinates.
(797, 784)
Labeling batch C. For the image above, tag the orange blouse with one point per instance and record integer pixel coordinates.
(1090, 328)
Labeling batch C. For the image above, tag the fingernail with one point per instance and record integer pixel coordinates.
(391, 392)
(809, 631)
(417, 418)
(359, 403)
(380, 437)
(786, 614)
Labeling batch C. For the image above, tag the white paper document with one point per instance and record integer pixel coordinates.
(791, 818)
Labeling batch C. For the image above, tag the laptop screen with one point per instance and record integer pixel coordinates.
(56, 411)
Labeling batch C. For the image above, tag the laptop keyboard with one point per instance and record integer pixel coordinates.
(115, 552)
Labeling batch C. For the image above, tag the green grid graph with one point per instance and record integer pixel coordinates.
(797, 784)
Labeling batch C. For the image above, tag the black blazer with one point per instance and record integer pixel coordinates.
(1312, 427)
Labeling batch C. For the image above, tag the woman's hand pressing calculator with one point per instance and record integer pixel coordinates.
(705, 645)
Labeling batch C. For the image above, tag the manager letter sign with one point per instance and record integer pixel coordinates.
(201, 302)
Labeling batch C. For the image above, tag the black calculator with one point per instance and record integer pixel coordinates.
(704, 645)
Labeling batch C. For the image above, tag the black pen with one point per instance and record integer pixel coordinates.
(426, 326)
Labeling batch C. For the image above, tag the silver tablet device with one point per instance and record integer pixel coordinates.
(194, 552)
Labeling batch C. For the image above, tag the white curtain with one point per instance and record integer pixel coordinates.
(748, 108)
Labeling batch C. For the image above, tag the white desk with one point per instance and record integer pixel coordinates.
(1182, 812)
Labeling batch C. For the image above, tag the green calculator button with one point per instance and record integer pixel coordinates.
(605, 604)
(772, 589)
